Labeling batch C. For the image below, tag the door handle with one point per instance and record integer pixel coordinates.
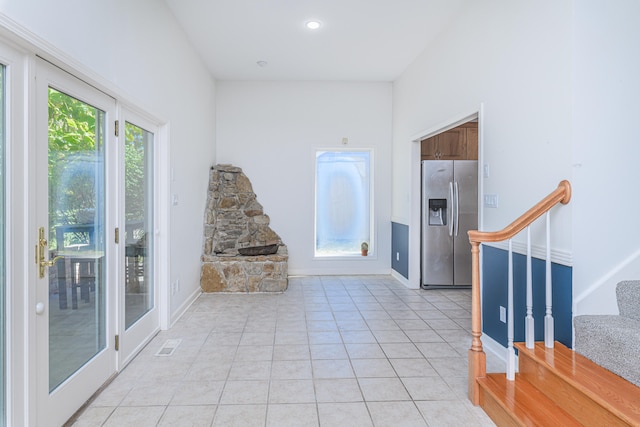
(451, 195)
(457, 225)
(41, 248)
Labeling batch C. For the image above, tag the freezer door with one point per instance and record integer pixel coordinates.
(437, 243)
(466, 178)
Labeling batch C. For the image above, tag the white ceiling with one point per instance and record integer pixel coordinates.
(360, 40)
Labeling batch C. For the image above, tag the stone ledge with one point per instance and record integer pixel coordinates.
(244, 274)
(281, 256)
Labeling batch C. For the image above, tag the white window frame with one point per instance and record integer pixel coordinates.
(372, 218)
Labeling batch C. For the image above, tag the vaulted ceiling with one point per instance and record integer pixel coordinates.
(358, 40)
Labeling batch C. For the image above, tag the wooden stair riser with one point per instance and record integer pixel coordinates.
(496, 412)
(518, 403)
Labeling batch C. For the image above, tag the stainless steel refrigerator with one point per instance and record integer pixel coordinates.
(449, 210)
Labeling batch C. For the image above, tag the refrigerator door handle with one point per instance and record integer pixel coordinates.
(451, 208)
(425, 209)
(457, 207)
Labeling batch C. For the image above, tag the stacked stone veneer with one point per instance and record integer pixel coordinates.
(233, 220)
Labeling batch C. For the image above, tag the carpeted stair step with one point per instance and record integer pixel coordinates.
(610, 341)
(613, 341)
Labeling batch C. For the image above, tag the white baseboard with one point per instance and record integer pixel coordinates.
(489, 344)
(400, 278)
(175, 316)
(495, 350)
(339, 272)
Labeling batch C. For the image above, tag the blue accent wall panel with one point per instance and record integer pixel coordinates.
(494, 295)
(400, 248)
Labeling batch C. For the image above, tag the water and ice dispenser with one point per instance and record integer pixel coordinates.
(437, 211)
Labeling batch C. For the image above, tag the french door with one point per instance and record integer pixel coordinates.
(75, 252)
(96, 303)
(138, 298)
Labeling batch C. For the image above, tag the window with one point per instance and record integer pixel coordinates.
(343, 202)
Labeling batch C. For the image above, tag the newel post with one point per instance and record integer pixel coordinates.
(477, 356)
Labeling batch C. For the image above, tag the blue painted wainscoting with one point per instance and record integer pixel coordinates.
(494, 295)
(400, 248)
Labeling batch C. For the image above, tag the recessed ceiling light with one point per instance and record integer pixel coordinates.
(313, 25)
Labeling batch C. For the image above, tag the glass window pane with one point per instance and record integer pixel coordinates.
(138, 223)
(343, 208)
(76, 233)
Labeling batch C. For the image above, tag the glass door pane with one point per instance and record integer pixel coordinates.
(139, 226)
(76, 234)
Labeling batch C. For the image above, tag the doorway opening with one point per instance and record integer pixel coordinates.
(444, 147)
(449, 205)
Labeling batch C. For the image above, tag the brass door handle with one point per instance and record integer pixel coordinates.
(51, 262)
(41, 248)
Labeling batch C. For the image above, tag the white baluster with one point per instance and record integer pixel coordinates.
(548, 317)
(529, 323)
(511, 353)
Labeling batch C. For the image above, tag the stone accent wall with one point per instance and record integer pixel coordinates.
(234, 221)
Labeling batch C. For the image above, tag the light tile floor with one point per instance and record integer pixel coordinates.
(330, 351)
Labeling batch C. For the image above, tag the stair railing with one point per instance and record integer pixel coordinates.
(477, 356)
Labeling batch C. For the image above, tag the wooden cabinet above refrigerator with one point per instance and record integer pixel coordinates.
(459, 143)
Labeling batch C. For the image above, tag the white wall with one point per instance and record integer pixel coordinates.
(139, 51)
(606, 150)
(515, 58)
(271, 129)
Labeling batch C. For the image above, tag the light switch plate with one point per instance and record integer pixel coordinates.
(490, 200)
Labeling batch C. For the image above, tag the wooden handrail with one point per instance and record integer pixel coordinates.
(477, 356)
(562, 194)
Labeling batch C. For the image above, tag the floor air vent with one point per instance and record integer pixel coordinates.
(168, 348)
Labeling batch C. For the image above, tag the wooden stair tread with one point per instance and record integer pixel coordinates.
(612, 392)
(528, 405)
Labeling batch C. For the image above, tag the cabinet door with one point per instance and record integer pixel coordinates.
(428, 148)
(452, 144)
(472, 143)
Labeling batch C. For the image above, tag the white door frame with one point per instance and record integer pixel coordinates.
(416, 208)
(17, 341)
